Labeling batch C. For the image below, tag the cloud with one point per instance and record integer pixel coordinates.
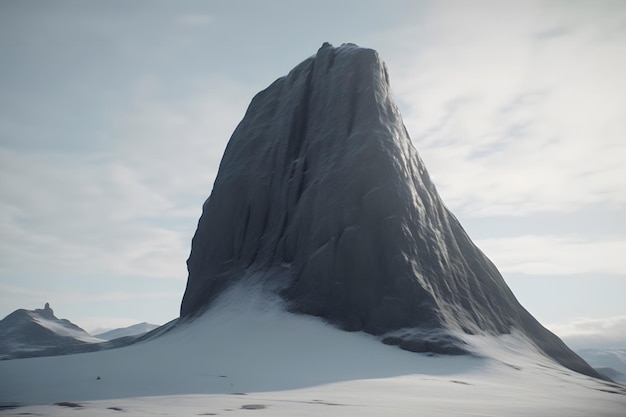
(176, 143)
(552, 33)
(129, 209)
(63, 214)
(581, 333)
(74, 295)
(195, 19)
(509, 124)
(556, 255)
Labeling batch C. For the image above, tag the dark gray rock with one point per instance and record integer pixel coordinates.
(320, 185)
(414, 345)
(392, 340)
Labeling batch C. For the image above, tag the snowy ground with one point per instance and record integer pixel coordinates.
(249, 356)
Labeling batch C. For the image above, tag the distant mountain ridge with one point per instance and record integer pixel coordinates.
(32, 331)
(609, 362)
(134, 330)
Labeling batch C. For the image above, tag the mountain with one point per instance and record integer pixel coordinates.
(134, 330)
(29, 332)
(321, 195)
(610, 362)
(37, 333)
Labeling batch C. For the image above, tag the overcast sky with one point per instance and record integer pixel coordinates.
(114, 116)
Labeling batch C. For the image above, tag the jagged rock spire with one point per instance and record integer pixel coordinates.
(321, 187)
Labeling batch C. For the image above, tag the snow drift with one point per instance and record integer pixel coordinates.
(321, 191)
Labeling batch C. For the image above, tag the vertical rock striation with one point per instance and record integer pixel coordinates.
(321, 186)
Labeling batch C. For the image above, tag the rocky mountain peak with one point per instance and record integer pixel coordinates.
(321, 189)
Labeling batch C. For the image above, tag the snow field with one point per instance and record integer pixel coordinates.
(247, 355)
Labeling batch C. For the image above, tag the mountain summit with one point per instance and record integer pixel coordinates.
(321, 191)
(35, 332)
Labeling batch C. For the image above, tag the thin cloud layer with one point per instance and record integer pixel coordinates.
(584, 333)
(130, 209)
(556, 255)
(519, 116)
(103, 228)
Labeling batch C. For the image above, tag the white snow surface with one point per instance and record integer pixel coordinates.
(248, 355)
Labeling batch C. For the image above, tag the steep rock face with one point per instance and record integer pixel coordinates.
(320, 187)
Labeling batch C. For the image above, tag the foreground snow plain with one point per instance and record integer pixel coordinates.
(247, 355)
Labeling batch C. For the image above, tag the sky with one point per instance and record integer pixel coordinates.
(114, 116)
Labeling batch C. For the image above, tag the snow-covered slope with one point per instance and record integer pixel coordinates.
(134, 330)
(30, 331)
(248, 353)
